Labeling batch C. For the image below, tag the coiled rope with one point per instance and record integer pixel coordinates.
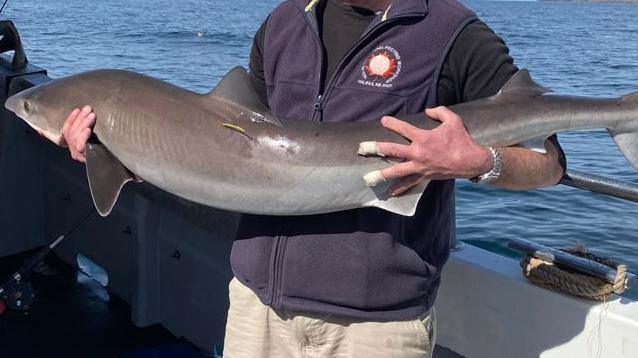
(557, 278)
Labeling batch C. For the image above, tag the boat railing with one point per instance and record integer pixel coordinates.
(589, 182)
(600, 184)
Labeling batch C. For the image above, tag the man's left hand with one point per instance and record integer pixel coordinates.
(445, 152)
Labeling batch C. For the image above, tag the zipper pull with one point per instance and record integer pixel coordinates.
(319, 104)
(318, 115)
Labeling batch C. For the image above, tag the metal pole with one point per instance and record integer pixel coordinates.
(599, 184)
(573, 262)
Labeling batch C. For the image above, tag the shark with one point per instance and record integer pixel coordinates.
(225, 149)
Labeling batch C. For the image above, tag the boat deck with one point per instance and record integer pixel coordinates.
(75, 316)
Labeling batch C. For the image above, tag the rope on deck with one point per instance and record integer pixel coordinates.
(556, 278)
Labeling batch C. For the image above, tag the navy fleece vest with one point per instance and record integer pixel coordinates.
(365, 263)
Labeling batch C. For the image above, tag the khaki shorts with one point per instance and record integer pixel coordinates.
(255, 330)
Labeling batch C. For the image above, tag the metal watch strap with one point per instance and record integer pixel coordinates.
(495, 172)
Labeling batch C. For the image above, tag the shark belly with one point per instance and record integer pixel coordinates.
(268, 171)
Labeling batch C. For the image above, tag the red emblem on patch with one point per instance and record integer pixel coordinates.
(382, 64)
(381, 68)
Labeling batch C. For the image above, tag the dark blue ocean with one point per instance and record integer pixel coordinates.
(580, 49)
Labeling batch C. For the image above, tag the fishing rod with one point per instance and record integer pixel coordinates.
(18, 293)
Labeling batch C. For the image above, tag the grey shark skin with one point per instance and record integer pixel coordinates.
(226, 150)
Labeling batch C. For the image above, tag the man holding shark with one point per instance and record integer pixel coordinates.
(362, 283)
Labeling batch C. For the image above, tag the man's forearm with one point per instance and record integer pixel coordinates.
(527, 169)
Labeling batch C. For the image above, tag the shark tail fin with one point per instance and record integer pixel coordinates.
(106, 175)
(627, 142)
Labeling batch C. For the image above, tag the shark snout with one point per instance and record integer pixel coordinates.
(13, 104)
(21, 105)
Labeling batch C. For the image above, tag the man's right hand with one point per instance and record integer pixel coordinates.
(76, 131)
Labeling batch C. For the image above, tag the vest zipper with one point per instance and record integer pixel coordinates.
(311, 17)
(277, 270)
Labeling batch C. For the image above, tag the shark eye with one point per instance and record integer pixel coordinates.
(27, 106)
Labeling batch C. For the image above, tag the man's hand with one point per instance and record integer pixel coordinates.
(76, 131)
(448, 151)
(445, 152)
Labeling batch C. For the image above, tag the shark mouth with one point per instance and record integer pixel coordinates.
(55, 138)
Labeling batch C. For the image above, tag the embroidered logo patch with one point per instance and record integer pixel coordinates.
(381, 67)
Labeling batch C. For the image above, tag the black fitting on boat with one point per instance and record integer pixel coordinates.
(16, 66)
(10, 41)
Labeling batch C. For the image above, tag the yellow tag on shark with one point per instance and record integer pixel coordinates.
(236, 128)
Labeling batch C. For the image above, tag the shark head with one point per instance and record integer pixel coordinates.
(41, 108)
(46, 106)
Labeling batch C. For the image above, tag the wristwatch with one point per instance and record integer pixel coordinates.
(494, 173)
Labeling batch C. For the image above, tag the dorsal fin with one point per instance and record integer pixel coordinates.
(522, 84)
(632, 97)
(237, 87)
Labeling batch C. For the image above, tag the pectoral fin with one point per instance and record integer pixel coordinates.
(106, 176)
